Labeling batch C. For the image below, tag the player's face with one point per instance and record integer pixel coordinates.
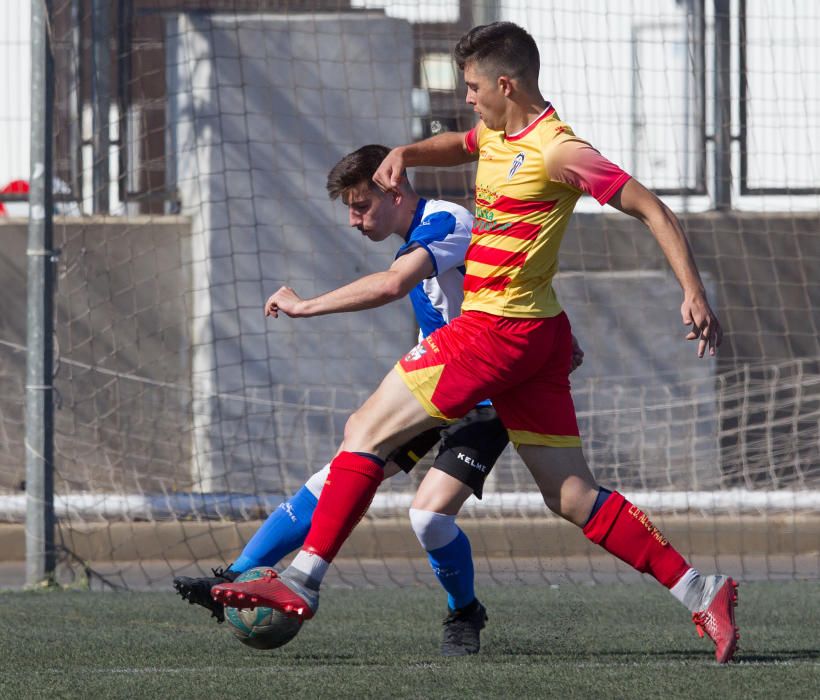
(485, 96)
(370, 210)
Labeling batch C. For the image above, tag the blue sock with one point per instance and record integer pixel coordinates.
(284, 530)
(453, 566)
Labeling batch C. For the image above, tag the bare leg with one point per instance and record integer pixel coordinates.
(388, 419)
(564, 479)
(441, 493)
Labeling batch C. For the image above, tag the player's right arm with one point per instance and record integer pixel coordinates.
(637, 201)
(367, 292)
(447, 149)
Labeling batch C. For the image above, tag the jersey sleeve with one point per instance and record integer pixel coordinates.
(471, 140)
(579, 165)
(442, 237)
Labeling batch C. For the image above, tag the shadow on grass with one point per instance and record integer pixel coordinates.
(785, 656)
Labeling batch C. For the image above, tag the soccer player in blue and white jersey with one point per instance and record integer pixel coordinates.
(429, 267)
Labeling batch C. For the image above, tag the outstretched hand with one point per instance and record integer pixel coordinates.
(706, 329)
(388, 175)
(285, 300)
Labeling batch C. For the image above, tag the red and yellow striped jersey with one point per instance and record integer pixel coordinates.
(526, 190)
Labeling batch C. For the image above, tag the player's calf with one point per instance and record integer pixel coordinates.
(625, 531)
(197, 590)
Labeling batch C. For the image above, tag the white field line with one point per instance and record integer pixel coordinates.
(432, 666)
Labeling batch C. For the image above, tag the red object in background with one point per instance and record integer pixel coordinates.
(14, 187)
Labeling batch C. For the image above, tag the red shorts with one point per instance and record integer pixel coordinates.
(521, 364)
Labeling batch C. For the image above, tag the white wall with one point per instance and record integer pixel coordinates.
(260, 108)
(15, 86)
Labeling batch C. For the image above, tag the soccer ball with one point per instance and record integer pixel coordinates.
(261, 628)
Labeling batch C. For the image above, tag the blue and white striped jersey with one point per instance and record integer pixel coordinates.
(443, 229)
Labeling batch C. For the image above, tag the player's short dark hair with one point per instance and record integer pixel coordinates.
(354, 168)
(501, 48)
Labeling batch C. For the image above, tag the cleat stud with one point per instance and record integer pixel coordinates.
(254, 599)
(240, 596)
(288, 608)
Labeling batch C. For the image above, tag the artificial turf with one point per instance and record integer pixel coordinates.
(605, 641)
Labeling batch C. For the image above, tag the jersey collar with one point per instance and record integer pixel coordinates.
(548, 110)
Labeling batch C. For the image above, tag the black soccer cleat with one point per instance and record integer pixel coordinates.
(462, 630)
(198, 590)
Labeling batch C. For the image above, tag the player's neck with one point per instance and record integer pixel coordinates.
(523, 112)
(410, 200)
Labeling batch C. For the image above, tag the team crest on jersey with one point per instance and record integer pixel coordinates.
(416, 353)
(518, 161)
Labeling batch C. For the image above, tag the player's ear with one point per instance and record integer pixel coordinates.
(505, 84)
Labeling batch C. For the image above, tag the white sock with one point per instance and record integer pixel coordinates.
(311, 565)
(433, 530)
(315, 483)
(689, 590)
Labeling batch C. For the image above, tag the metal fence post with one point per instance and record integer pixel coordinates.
(723, 107)
(40, 558)
(101, 101)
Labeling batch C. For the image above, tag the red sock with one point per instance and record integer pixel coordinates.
(623, 530)
(345, 498)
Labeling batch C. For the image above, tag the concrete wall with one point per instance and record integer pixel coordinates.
(123, 354)
(759, 400)
(260, 108)
(124, 307)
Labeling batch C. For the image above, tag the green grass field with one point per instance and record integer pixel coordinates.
(612, 641)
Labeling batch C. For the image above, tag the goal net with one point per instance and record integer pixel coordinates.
(184, 416)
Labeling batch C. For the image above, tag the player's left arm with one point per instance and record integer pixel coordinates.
(367, 292)
(634, 199)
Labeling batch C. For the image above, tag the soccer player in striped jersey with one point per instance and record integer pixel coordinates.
(429, 268)
(512, 341)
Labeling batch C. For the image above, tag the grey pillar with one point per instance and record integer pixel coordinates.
(40, 559)
(101, 100)
(723, 107)
(485, 11)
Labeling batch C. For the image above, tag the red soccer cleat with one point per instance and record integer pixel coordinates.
(271, 591)
(718, 621)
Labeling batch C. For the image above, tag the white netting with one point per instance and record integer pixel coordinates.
(185, 415)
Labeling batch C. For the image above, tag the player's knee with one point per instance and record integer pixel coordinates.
(575, 510)
(353, 431)
(433, 530)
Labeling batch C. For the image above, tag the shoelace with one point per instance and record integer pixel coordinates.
(705, 623)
